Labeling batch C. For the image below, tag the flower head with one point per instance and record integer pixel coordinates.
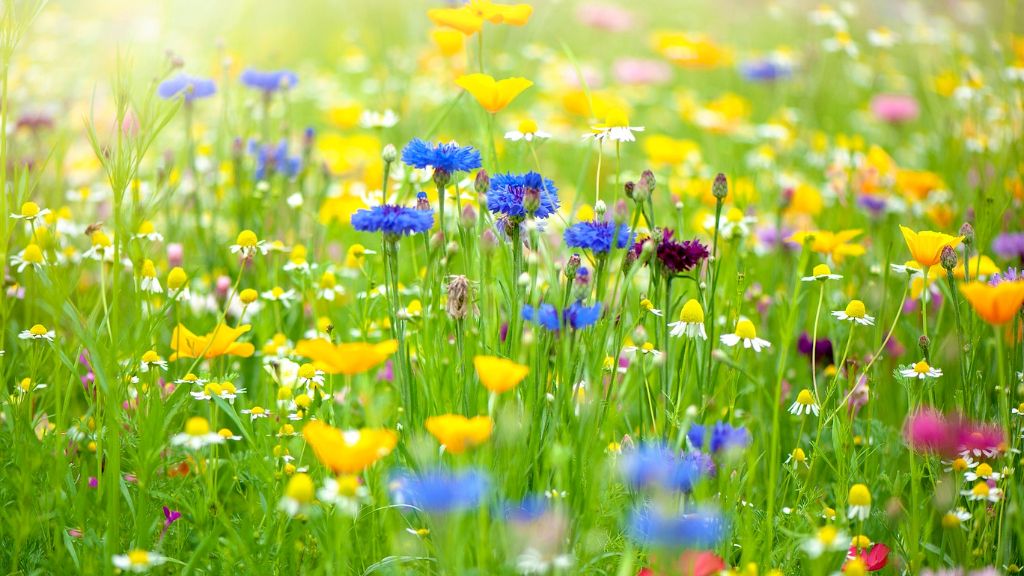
(821, 272)
(298, 494)
(138, 560)
(805, 404)
(597, 236)
(926, 247)
(458, 433)
(269, 81)
(393, 220)
(859, 502)
(691, 321)
(448, 158)
(189, 87)
(499, 374)
(520, 195)
(746, 333)
(921, 370)
(222, 341)
(352, 358)
(493, 95)
(440, 491)
(197, 434)
(348, 451)
(995, 304)
(855, 312)
(677, 257)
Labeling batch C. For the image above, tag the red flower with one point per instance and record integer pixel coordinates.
(874, 558)
(692, 563)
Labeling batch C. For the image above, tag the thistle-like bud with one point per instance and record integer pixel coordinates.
(948, 258)
(436, 240)
(620, 212)
(630, 189)
(646, 184)
(531, 200)
(488, 242)
(452, 247)
(389, 154)
(482, 182)
(581, 285)
(468, 215)
(720, 189)
(967, 231)
(441, 178)
(924, 344)
(458, 290)
(572, 266)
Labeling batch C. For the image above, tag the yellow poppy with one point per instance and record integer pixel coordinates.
(348, 359)
(469, 18)
(499, 374)
(493, 95)
(926, 246)
(995, 304)
(838, 245)
(220, 342)
(348, 451)
(459, 433)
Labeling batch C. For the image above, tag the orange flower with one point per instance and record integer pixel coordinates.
(926, 247)
(458, 433)
(499, 374)
(838, 245)
(220, 342)
(493, 95)
(995, 304)
(348, 359)
(348, 451)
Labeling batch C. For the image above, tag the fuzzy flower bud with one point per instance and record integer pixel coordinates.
(482, 182)
(967, 231)
(720, 189)
(389, 154)
(458, 305)
(948, 258)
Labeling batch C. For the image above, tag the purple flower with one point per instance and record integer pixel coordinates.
(823, 350)
(269, 82)
(1009, 275)
(170, 517)
(191, 87)
(677, 257)
(1009, 245)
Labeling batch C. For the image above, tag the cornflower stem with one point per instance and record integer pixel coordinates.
(597, 178)
(440, 217)
(713, 273)
(390, 247)
(814, 343)
(666, 311)
(512, 337)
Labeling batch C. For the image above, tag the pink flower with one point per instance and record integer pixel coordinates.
(928, 431)
(93, 482)
(605, 17)
(175, 254)
(978, 439)
(894, 108)
(859, 396)
(641, 71)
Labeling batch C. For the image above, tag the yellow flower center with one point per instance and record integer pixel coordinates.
(984, 470)
(138, 558)
(150, 356)
(821, 270)
(616, 118)
(348, 485)
(745, 329)
(197, 426)
(176, 278)
(146, 228)
(805, 397)
(99, 238)
(225, 433)
(298, 254)
(229, 388)
(29, 209)
(25, 384)
(646, 304)
(300, 488)
(527, 126)
(248, 296)
(307, 371)
(212, 389)
(328, 280)
(276, 292)
(303, 401)
(980, 490)
(647, 347)
(950, 520)
(148, 269)
(861, 542)
(247, 239)
(799, 455)
(959, 465)
(38, 330)
(855, 309)
(284, 393)
(827, 534)
(415, 308)
(692, 312)
(855, 567)
(257, 410)
(860, 495)
(922, 367)
(734, 215)
(32, 254)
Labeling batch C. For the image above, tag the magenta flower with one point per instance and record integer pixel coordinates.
(894, 108)
(929, 431)
(170, 517)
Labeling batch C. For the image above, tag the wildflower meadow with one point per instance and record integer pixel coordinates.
(626, 288)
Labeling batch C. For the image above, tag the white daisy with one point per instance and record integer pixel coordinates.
(746, 333)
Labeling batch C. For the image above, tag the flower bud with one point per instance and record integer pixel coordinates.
(924, 343)
(531, 200)
(630, 189)
(948, 258)
(389, 154)
(452, 248)
(441, 178)
(488, 242)
(720, 189)
(482, 182)
(967, 231)
(620, 212)
(647, 181)
(468, 216)
(572, 266)
(599, 209)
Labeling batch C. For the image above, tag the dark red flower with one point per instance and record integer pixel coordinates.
(874, 558)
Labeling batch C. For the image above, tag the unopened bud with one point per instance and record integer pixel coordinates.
(452, 247)
(441, 178)
(422, 203)
(948, 258)
(924, 343)
(458, 290)
(572, 266)
(468, 215)
(720, 189)
(967, 231)
(531, 200)
(488, 242)
(630, 189)
(389, 154)
(482, 182)
(599, 209)
(620, 212)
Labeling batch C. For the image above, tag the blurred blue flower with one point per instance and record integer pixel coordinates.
(655, 464)
(191, 87)
(393, 220)
(545, 315)
(508, 191)
(764, 70)
(726, 437)
(269, 81)
(597, 236)
(440, 490)
(448, 158)
(704, 529)
(577, 316)
(274, 159)
(528, 509)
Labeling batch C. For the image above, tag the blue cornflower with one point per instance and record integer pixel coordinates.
(446, 158)
(597, 235)
(577, 316)
(440, 490)
(764, 70)
(191, 87)
(274, 159)
(269, 82)
(704, 529)
(696, 436)
(517, 195)
(528, 509)
(655, 464)
(725, 437)
(393, 220)
(545, 315)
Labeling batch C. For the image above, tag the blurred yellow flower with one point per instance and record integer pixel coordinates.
(837, 245)
(349, 451)
(459, 433)
(449, 42)
(690, 50)
(499, 374)
(220, 342)
(349, 359)
(493, 95)
(664, 150)
(470, 17)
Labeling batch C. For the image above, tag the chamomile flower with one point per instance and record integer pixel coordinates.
(248, 244)
(922, 370)
(910, 268)
(859, 502)
(843, 42)
(982, 491)
(227, 434)
(197, 434)
(356, 255)
(223, 390)
(982, 472)
(797, 458)
(804, 404)
(308, 375)
(346, 492)
(828, 538)
(882, 37)
(746, 333)
(32, 256)
(147, 231)
(138, 560)
(177, 284)
(955, 518)
(28, 385)
(527, 130)
(30, 213)
(102, 247)
(1019, 410)
(37, 332)
(298, 494)
(961, 464)
(150, 282)
(855, 312)
(733, 225)
(373, 119)
(691, 321)
(646, 349)
(648, 306)
(190, 378)
(256, 412)
(278, 294)
(297, 260)
(328, 288)
(821, 272)
(615, 128)
(152, 360)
